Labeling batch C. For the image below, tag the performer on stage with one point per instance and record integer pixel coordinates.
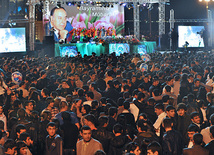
(113, 33)
(103, 32)
(59, 24)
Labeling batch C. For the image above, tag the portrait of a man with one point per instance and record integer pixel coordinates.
(59, 24)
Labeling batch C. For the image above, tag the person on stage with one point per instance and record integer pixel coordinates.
(102, 32)
(174, 36)
(113, 33)
(59, 24)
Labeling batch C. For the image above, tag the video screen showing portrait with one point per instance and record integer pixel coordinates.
(88, 16)
(142, 49)
(191, 35)
(70, 51)
(12, 40)
(119, 49)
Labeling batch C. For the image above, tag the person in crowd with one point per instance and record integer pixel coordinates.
(70, 132)
(88, 145)
(210, 145)
(159, 110)
(9, 147)
(184, 119)
(192, 129)
(117, 144)
(53, 142)
(197, 149)
(154, 148)
(132, 148)
(172, 140)
(25, 137)
(64, 107)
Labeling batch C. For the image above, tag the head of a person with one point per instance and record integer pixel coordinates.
(181, 109)
(112, 111)
(192, 129)
(46, 115)
(141, 127)
(20, 128)
(58, 18)
(1, 108)
(117, 129)
(51, 129)
(126, 105)
(133, 147)
(50, 101)
(103, 121)
(29, 105)
(155, 81)
(89, 95)
(21, 148)
(21, 113)
(86, 109)
(170, 111)
(45, 92)
(10, 146)
(195, 117)
(154, 148)
(63, 105)
(66, 116)
(212, 119)
(85, 132)
(197, 139)
(167, 123)
(197, 82)
(159, 108)
(25, 137)
(89, 120)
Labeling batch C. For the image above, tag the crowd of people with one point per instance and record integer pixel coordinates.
(105, 105)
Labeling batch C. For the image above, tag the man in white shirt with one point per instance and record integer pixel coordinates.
(206, 132)
(159, 110)
(88, 145)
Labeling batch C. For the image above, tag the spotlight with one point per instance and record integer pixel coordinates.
(69, 3)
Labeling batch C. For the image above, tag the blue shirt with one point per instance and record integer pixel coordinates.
(74, 118)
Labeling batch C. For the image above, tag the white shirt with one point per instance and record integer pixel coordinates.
(206, 135)
(204, 114)
(87, 102)
(158, 122)
(190, 145)
(134, 110)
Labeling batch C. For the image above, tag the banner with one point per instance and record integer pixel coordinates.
(97, 20)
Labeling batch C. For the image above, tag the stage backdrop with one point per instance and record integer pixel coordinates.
(89, 16)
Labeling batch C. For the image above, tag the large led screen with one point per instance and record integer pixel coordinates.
(191, 35)
(119, 49)
(12, 40)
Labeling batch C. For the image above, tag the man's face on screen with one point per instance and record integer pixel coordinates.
(59, 19)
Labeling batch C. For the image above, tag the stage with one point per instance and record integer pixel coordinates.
(71, 49)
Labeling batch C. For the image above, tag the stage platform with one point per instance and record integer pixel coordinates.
(71, 49)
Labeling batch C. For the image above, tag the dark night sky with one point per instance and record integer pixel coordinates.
(189, 9)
